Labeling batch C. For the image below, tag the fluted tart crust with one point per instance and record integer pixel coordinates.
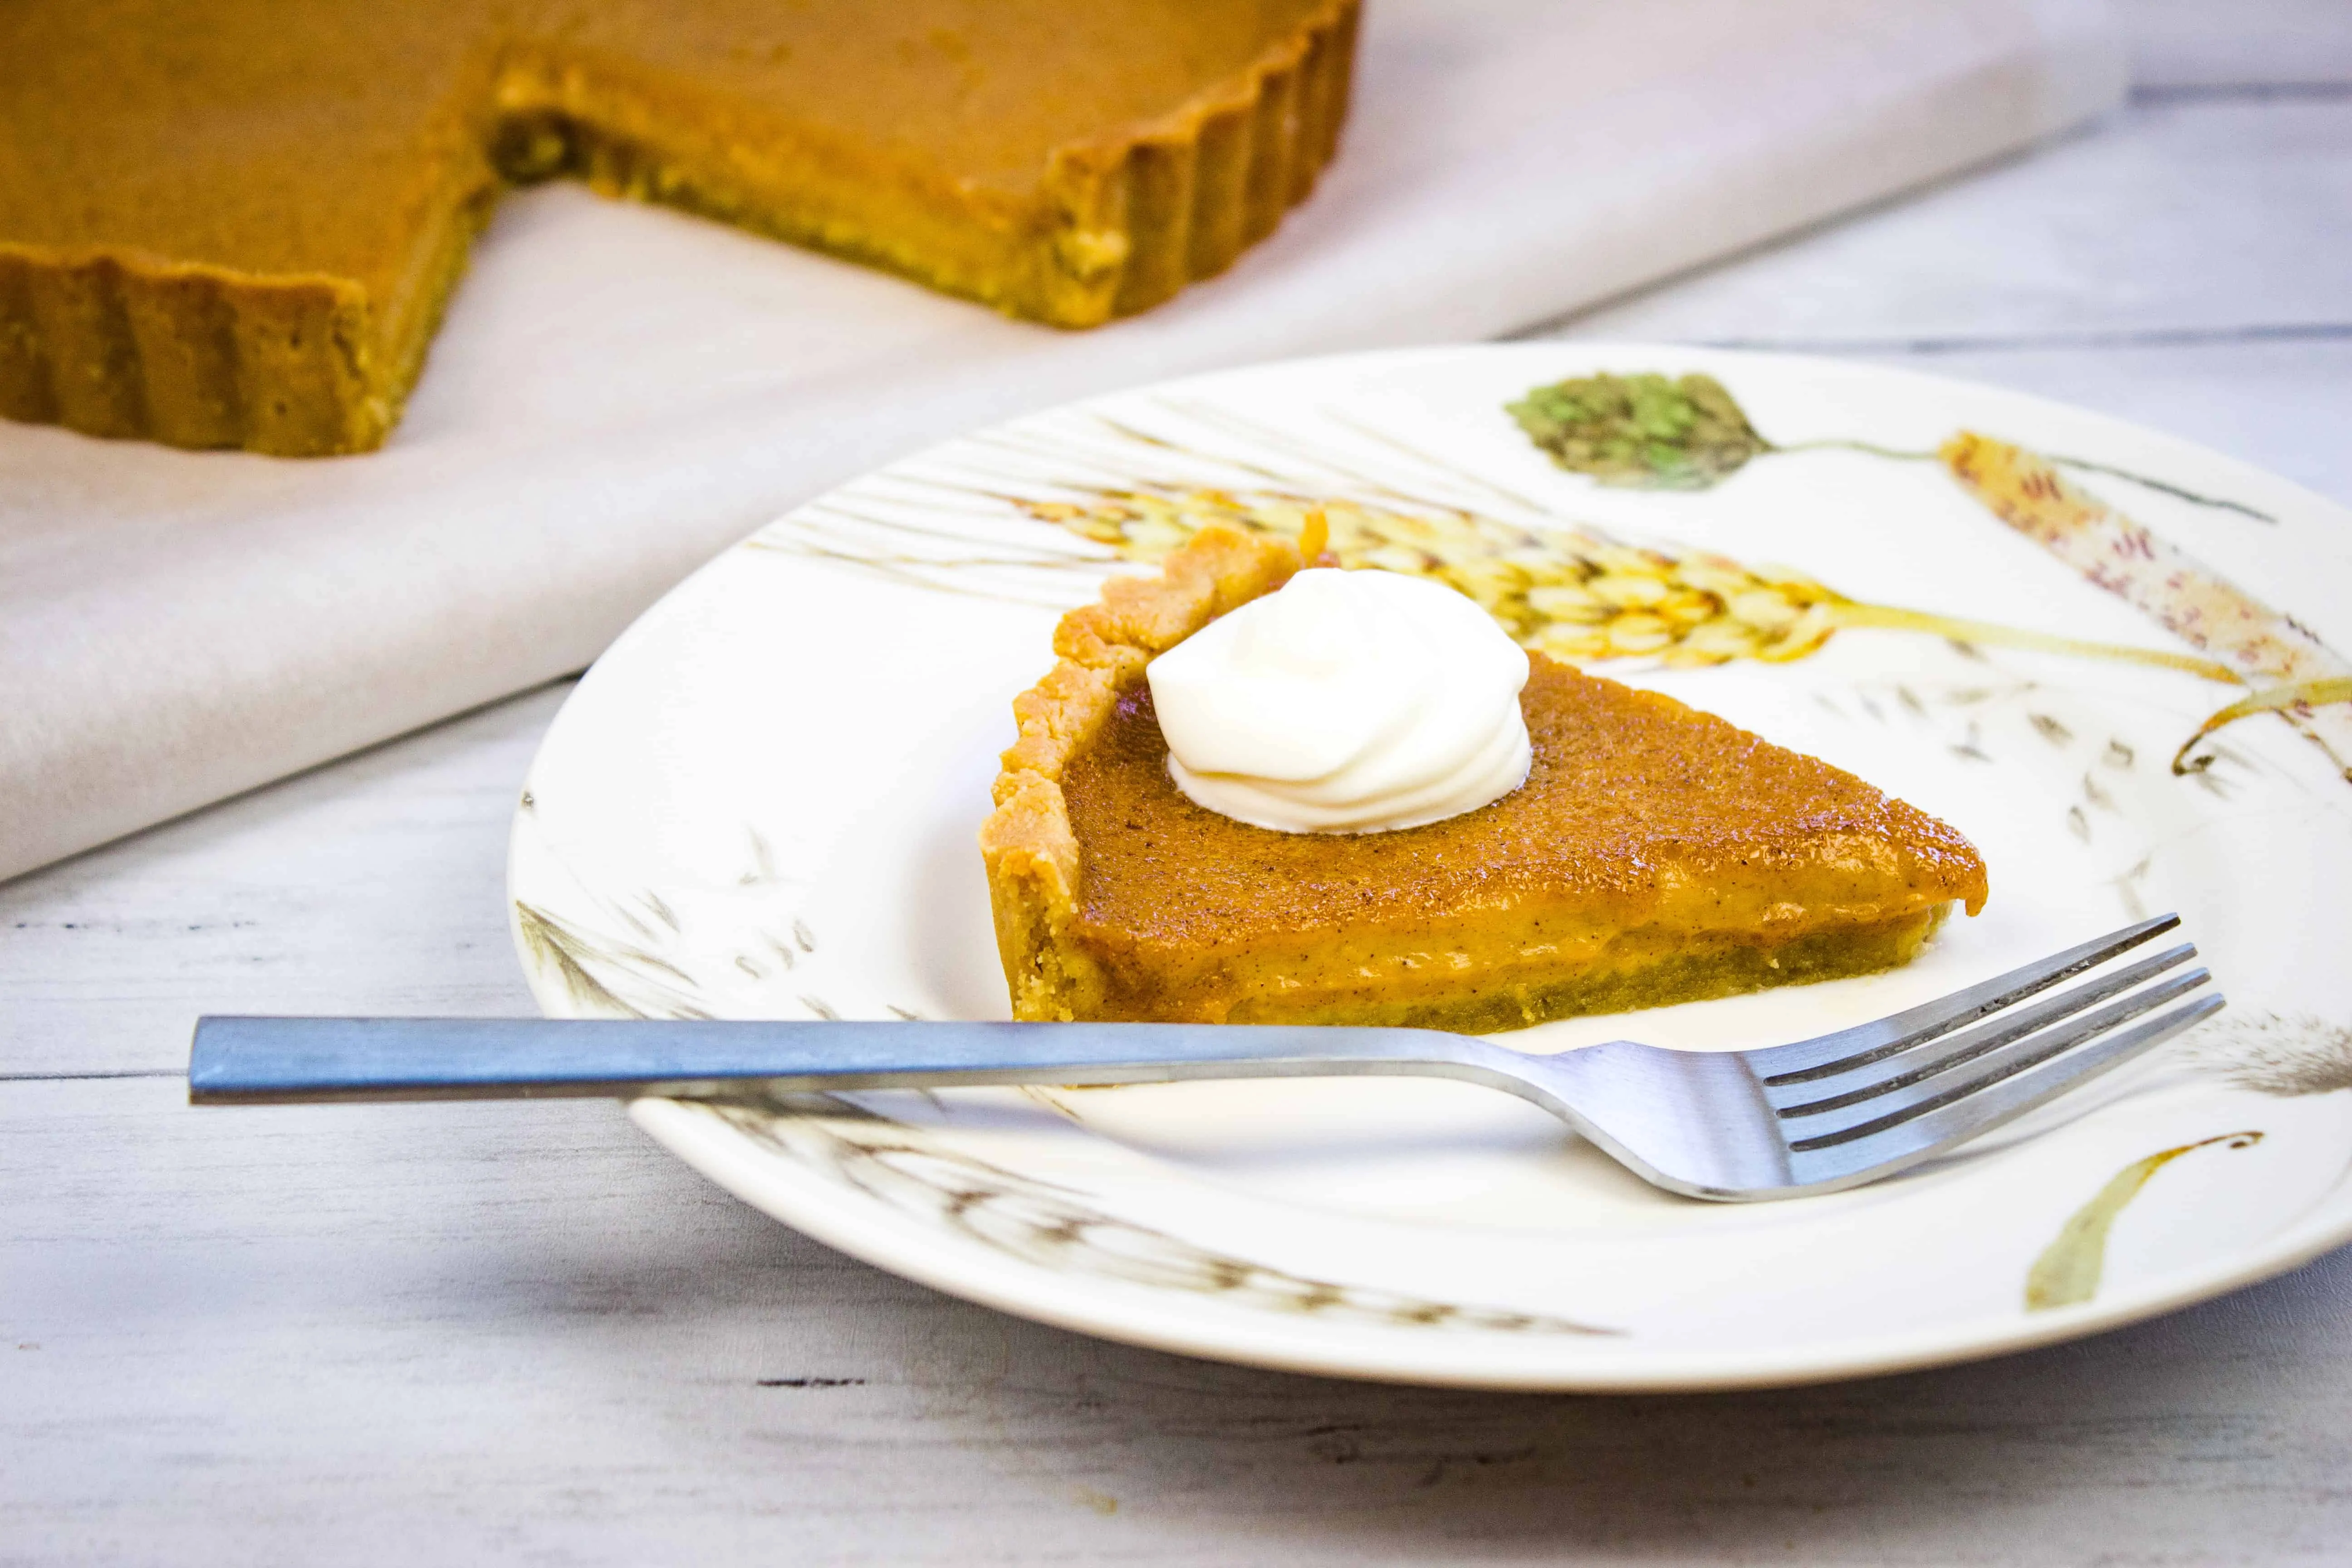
(236, 224)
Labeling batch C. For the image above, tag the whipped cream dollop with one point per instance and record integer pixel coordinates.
(1345, 703)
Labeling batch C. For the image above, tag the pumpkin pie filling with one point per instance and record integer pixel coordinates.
(236, 224)
(1655, 855)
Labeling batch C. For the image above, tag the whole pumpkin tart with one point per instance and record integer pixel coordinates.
(236, 224)
(1655, 855)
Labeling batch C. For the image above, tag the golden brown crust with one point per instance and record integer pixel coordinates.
(281, 298)
(1031, 853)
(1176, 201)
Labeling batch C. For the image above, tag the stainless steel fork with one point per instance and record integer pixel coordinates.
(1733, 1126)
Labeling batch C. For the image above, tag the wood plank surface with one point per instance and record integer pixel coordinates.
(450, 1333)
(2184, 266)
(374, 885)
(423, 1334)
(2234, 44)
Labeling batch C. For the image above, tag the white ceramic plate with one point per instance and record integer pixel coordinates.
(762, 802)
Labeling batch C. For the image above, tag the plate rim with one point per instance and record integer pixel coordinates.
(685, 1131)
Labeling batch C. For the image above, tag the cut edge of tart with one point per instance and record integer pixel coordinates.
(1657, 854)
(144, 334)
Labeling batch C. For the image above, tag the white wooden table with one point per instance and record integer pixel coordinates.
(427, 1335)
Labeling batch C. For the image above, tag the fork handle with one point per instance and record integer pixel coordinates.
(285, 1060)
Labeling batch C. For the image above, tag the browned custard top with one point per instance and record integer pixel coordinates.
(1637, 809)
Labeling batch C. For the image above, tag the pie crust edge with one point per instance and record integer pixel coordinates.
(1031, 852)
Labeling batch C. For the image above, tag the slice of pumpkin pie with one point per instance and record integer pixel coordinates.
(1653, 854)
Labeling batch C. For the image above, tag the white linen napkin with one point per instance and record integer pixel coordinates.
(619, 392)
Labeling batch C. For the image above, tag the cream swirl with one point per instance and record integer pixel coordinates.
(1345, 703)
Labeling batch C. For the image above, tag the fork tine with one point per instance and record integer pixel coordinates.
(1813, 1094)
(1867, 1043)
(1846, 1123)
(1908, 1143)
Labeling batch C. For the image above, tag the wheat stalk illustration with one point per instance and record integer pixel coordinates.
(1573, 593)
(1647, 431)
